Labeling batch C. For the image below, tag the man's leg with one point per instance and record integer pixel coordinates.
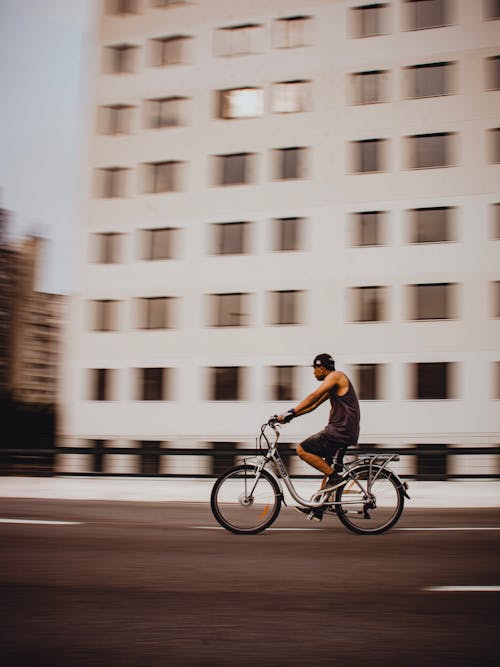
(319, 452)
(315, 461)
(314, 451)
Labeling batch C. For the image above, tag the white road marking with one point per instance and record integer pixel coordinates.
(455, 528)
(43, 522)
(462, 589)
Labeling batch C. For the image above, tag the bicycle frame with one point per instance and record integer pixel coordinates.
(319, 499)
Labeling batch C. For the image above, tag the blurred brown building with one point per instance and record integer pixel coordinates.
(29, 324)
(7, 290)
(36, 327)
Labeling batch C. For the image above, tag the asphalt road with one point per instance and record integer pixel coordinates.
(147, 584)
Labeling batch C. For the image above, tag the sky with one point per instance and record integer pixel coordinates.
(46, 57)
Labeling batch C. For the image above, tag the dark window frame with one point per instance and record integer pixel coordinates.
(154, 383)
(373, 14)
(415, 13)
(432, 380)
(234, 169)
(226, 383)
(230, 238)
(370, 303)
(416, 85)
(286, 307)
(373, 162)
(368, 228)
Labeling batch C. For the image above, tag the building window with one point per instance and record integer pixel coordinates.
(431, 225)
(112, 182)
(369, 304)
(288, 234)
(423, 14)
(238, 40)
(432, 380)
(494, 144)
(233, 169)
(100, 384)
(162, 177)
(114, 7)
(107, 248)
(121, 59)
(427, 151)
(370, 20)
(290, 96)
(226, 383)
(104, 315)
(287, 307)
(229, 238)
(98, 458)
(240, 103)
(493, 73)
(368, 156)
(432, 301)
(430, 80)
(158, 244)
(223, 457)
(150, 456)
(284, 383)
(290, 163)
(153, 384)
(172, 50)
(155, 312)
(165, 112)
(491, 10)
(368, 381)
(495, 285)
(228, 310)
(495, 220)
(292, 32)
(367, 228)
(115, 119)
(432, 462)
(369, 87)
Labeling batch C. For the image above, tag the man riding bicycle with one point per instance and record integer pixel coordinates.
(342, 430)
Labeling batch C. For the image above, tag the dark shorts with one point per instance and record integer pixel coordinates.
(322, 444)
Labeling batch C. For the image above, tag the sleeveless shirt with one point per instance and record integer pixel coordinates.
(343, 422)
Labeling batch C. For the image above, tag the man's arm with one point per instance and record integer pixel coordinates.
(312, 407)
(316, 398)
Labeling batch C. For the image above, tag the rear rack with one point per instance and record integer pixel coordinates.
(372, 458)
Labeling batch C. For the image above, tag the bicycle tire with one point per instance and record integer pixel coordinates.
(238, 513)
(361, 518)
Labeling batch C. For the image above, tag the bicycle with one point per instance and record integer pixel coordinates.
(368, 499)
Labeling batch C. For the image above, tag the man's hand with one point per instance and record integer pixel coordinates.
(287, 417)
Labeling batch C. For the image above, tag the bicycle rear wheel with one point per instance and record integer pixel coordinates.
(244, 501)
(370, 513)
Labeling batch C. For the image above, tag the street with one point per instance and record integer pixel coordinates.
(147, 584)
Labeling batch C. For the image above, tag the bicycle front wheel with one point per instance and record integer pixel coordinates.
(372, 503)
(245, 501)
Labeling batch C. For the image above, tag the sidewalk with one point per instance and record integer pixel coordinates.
(449, 494)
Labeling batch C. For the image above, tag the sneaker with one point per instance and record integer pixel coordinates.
(312, 514)
(334, 479)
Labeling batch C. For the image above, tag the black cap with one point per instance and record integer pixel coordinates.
(325, 360)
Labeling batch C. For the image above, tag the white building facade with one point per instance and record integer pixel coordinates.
(270, 180)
